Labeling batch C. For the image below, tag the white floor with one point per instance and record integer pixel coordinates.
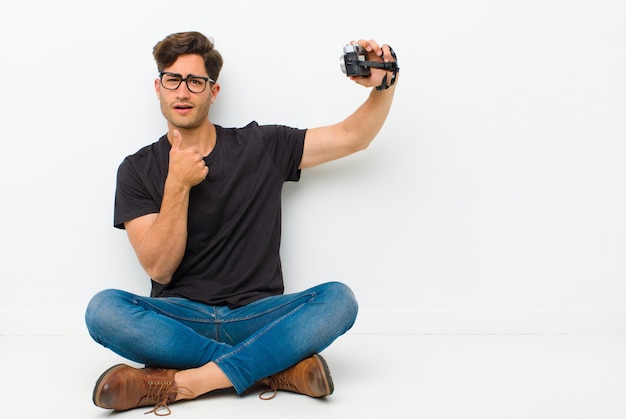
(398, 376)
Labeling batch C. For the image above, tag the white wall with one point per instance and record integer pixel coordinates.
(493, 200)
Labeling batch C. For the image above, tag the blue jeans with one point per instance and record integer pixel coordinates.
(247, 343)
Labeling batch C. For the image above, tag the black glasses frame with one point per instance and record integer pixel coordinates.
(190, 76)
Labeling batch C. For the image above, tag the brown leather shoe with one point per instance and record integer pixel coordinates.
(123, 387)
(310, 377)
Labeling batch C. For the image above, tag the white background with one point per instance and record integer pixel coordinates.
(493, 200)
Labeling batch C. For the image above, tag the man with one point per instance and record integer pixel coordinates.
(202, 210)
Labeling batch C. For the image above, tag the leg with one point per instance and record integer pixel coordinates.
(274, 334)
(155, 332)
(286, 329)
(164, 332)
(257, 340)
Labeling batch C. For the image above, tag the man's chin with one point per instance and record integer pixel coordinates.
(183, 123)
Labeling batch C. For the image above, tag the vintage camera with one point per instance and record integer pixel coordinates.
(352, 61)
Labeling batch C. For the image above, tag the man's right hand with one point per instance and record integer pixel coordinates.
(187, 165)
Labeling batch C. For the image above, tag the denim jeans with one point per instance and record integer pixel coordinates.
(247, 343)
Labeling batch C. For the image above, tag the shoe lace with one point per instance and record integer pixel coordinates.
(160, 392)
(277, 382)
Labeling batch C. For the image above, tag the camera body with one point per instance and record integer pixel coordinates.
(353, 55)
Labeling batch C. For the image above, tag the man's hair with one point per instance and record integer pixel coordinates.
(169, 49)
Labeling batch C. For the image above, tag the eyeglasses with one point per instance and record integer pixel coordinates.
(195, 84)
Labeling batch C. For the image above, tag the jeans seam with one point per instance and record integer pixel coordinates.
(311, 297)
(260, 334)
(140, 300)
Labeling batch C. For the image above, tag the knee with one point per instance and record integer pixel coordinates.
(343, 301)
(100, 312)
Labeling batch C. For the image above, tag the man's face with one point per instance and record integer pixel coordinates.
(181, 107)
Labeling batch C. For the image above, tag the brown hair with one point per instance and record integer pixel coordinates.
(169, 49)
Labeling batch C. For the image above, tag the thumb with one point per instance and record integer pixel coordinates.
(177, 139)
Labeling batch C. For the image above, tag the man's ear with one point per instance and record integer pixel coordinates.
(215, 89)
(157, 88)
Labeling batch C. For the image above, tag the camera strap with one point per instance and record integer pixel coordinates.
(390, 66)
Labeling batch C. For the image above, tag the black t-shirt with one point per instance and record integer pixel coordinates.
(234, 224)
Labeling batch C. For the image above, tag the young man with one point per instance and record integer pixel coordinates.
(202, 210)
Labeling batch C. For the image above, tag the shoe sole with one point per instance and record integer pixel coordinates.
(97, 390)
(330, 387)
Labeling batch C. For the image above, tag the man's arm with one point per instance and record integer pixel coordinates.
(159, 239)
(356, 132)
